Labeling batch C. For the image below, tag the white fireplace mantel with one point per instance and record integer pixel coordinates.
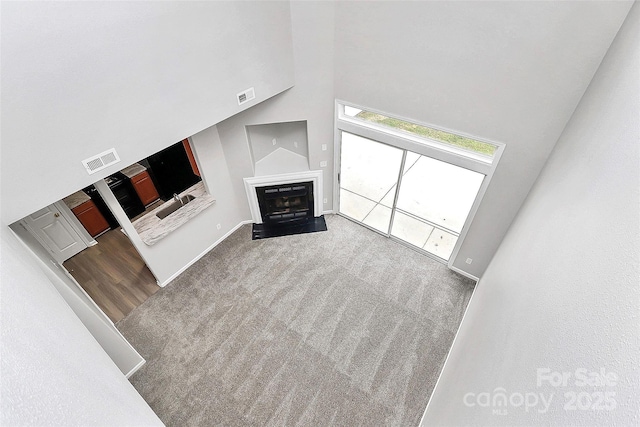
(250, 185)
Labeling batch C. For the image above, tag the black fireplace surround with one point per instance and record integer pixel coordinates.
(287, 209)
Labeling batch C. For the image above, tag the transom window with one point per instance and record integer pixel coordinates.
(428, 134)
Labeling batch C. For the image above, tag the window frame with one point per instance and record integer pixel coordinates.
(467, 159)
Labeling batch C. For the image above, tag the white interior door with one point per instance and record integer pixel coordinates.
(55, 233)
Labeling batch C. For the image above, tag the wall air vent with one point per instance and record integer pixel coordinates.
(246, 96)
(100, 161)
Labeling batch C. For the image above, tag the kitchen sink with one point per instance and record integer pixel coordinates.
(162, 214)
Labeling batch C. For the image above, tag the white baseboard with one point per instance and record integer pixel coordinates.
(453, 343)
(464, 273)
(135, 368)
(206, 251)
(330, 212)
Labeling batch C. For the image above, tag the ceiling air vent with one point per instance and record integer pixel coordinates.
(100, 161)
(246, 96)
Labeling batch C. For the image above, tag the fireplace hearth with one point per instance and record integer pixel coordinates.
(310, 225)
(285, 204)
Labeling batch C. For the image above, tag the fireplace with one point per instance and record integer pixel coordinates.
(285, 204)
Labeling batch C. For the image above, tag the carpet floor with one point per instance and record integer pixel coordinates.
(337, 328)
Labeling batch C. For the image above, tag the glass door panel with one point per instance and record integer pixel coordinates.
(439, 192)
(433, 204)
(369, 173)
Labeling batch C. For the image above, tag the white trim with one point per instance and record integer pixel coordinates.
(251, 183)
(135, 368)
(193, 261)
(337, 147)
(464, 273)
(446, 360)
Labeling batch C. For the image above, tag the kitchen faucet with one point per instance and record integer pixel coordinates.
(178, 199)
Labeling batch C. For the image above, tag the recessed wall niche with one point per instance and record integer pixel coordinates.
(278, 148)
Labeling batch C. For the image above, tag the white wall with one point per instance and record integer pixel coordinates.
(53, 371)
(563, 289)
(311, 99)
(96, 322)
(512, 72)
(81, 77)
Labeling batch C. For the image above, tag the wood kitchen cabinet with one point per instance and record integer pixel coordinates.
(90, 218)
(192, 159)
(145, 188)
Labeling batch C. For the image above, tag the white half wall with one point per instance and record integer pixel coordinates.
(53, 371)
(178, 249)
(512, 72)
(563, 291)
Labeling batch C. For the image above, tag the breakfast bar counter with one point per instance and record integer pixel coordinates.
(151, 228)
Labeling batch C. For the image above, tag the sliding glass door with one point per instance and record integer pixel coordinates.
(425, 206)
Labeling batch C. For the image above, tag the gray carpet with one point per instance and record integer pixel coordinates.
(343, 327)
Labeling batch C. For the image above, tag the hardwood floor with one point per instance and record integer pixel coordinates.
(113, 274)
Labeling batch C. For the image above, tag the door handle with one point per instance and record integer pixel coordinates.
(56, 214)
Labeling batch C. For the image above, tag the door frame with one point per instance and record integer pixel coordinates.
(406, 142)
(63, 216)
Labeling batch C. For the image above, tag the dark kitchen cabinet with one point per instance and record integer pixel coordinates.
(122, 188)
(145, 188)
(172, 171)
(90, 218)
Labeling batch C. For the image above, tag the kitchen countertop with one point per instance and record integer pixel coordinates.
(76, 199)
(151, 229)
(133, 170)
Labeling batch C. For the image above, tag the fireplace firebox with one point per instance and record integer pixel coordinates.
(286, 203)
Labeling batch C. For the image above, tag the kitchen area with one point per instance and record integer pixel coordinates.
(139, 188)
(157, 194)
